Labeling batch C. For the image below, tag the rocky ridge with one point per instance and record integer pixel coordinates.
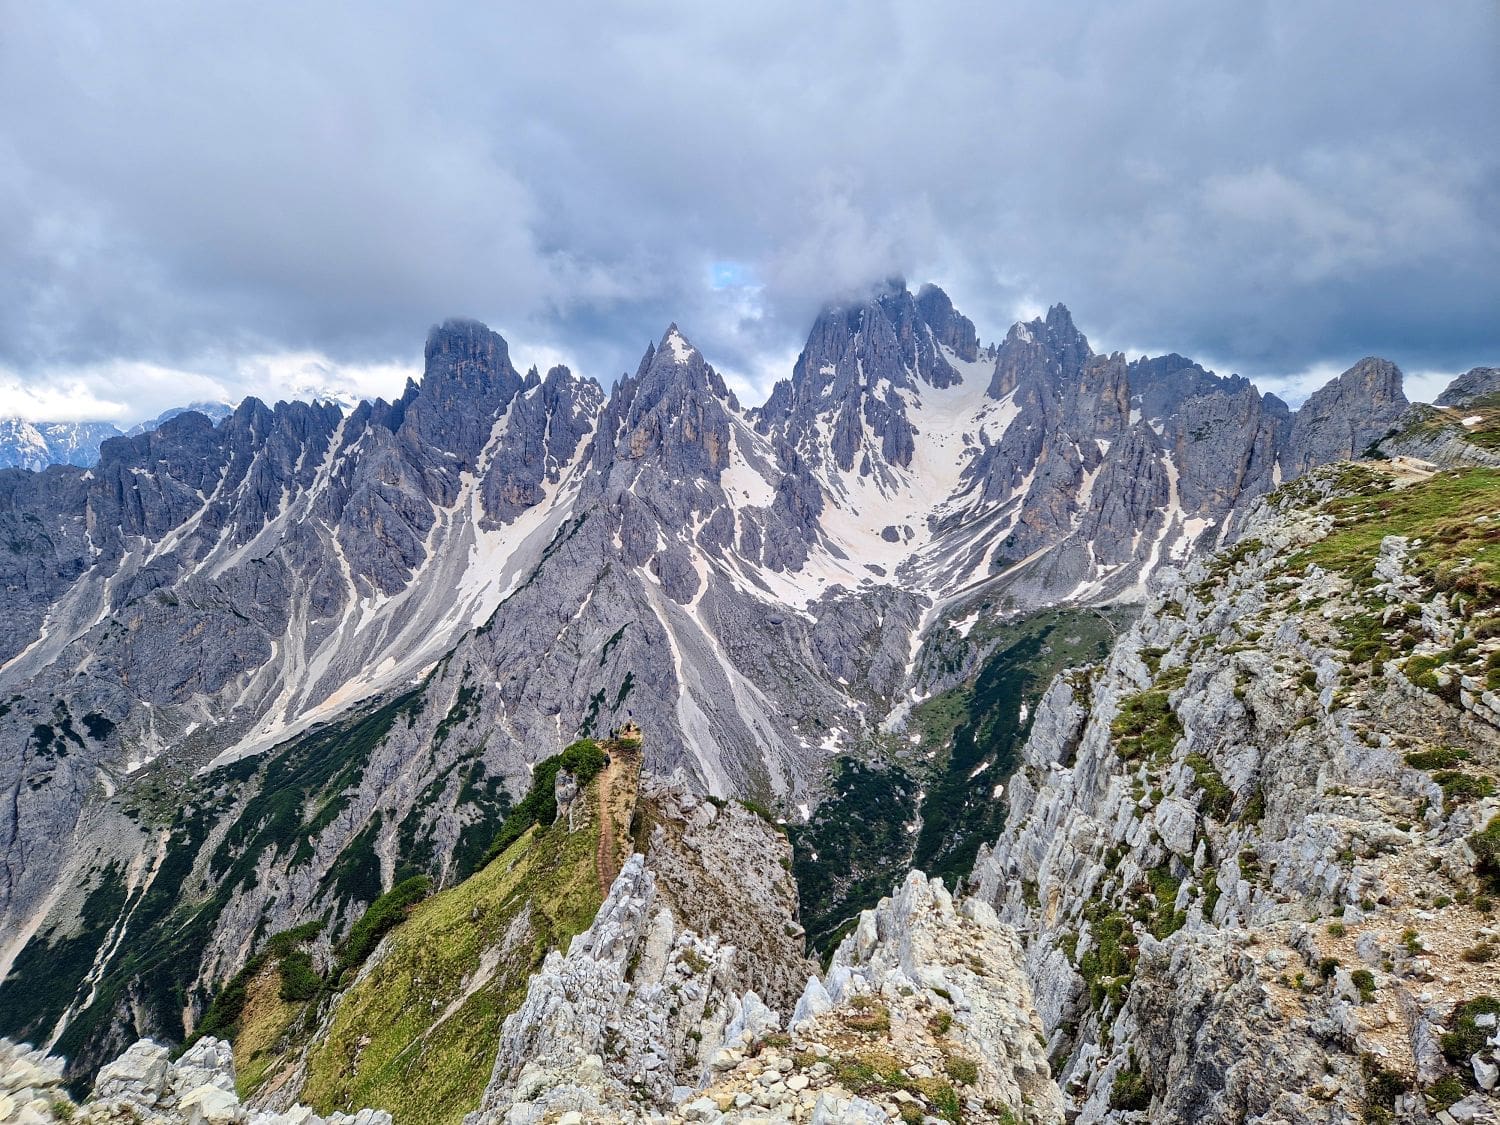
(145, 1086)
(1248, 856)
(923, 1014)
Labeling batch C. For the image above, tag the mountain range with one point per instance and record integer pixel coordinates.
(258, 672)
(35, 445)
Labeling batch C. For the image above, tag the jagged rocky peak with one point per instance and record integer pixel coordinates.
(467, 383)
(1040, 351)
(951, 328)
(1345, 416)
(675, 409)
(888, 335)
(1161, 385)
(1470, 387)
(1269, 818)
(863, 365)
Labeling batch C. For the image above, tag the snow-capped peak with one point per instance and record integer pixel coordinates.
(682, 351)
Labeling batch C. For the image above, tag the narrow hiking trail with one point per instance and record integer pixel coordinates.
(606, 849)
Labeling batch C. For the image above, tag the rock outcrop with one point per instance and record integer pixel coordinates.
(1470, 387)
(924, 1011)
(697, 936)
(1241, 855)
(145, 1086)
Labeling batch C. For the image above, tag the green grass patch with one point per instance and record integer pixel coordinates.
(382, 915)
(1458, 555)
(1146, 727)
(431, 1013)
(1218, 798)
(584, 759)
(1464, 1036)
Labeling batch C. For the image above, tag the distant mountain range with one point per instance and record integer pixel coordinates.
(35, 445)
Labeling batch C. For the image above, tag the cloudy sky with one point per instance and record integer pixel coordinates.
(209, 200)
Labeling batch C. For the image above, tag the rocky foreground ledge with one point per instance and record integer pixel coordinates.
(923, 1016)
(144, 1086)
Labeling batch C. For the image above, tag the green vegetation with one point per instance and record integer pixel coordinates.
(223, 1016)
(1225, 563)
(50, 969)
(1464, 1036)
(431, 1008)
(320, 769)
(1382, 1088)
(1462, 788)
(1486, 848)
(1130, 1090)
(584, 759)
(1109, 964)
(960, 1068)
(1218, 798)
(1442, 758)
(1445, 1091)
(868, 1015)
(856, 846)
(1452, 514)
(294, 792)
(382, 915)
(874, 1073)
(977, 727)
(1364, 980)
(1162, 921)
(1146, 727)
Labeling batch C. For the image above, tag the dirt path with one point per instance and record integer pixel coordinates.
(604, 858)
(619, 783)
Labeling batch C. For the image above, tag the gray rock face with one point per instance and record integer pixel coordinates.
(1344, 418)
(1188, 906)
(1470, 387)
(36, 445)
(666, 975)
(145, 1085)
(919, 940)
(1438, 437)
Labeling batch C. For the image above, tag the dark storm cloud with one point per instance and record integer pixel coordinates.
(1272, 185)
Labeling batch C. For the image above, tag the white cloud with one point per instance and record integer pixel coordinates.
(1281, 184)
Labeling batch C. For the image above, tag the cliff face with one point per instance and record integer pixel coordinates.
(1250, 856)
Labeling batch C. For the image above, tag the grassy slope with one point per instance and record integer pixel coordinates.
(1484, 433)
(263, 1021)
(1453, 520)
(1443, 511)
(417, 1035)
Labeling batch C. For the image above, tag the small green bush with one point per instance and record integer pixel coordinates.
(299, 980)
(1486, 847)
(963, 1070)
(583, 759)
(1465, 1037)
(383, 914)
(1130, 1091)
(1145, 727)
(1446, 1090)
